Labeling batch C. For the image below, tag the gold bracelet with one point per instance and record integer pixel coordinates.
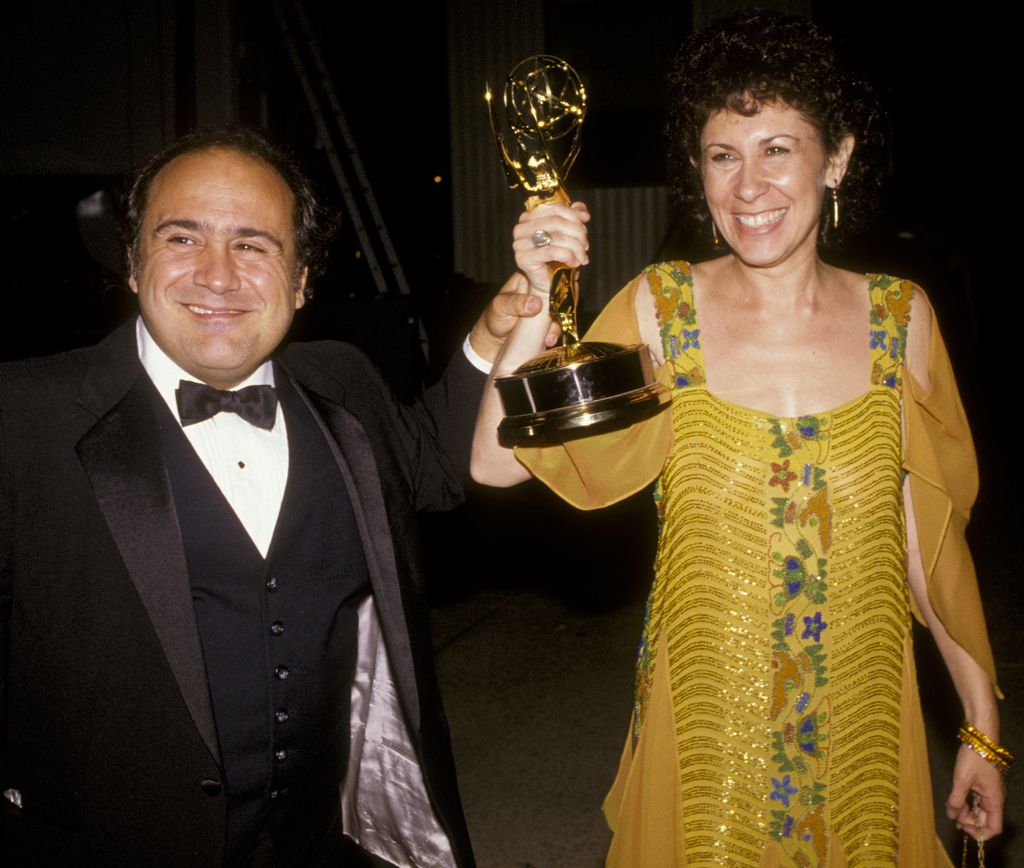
(984, 747)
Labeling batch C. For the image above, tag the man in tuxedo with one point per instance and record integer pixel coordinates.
(214, 639)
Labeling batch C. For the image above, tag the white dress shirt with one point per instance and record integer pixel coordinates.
(474, 358)
(249, 465)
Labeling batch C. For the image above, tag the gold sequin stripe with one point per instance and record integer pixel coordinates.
(869, 619)
(709, 604)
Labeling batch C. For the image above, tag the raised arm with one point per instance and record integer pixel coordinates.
(492, 463)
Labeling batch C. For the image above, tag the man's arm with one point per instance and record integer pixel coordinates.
(454, 401)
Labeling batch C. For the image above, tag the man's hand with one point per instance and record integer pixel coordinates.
(513, 302)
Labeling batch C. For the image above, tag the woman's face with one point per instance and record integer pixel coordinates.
(764, 178)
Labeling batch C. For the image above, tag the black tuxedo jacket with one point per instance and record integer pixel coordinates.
(109, 749)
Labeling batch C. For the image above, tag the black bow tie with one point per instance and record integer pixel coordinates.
(198, 402)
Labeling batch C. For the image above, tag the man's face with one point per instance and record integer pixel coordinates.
(216, 275)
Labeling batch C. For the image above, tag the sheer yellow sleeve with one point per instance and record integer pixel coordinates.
(596, 471)
(944, 483)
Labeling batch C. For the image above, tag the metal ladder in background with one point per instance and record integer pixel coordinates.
(343, 156)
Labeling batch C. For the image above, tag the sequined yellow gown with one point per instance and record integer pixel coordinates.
(776, 719)
(781, 603)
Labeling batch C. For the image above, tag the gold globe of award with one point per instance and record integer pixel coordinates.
(577, 388)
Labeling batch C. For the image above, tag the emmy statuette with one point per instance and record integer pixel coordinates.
(580, 387)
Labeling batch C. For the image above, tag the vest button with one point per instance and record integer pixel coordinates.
(272, 584)
(277, 628)
(281, 673)
(281, 715)
(280, 755)
(279, 794)
(211, 787)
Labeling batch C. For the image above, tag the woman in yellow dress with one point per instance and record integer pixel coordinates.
(815, 474)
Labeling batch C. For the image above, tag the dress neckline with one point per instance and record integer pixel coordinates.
(687, 272)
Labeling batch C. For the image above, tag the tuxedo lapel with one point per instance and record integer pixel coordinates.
(352, 450)
(121, 456)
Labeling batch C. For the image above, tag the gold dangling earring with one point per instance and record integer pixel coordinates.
(714, 235)
(835, 207)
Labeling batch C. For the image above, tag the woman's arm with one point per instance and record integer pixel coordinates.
(977, 794)
(492, 463)
(976, 782)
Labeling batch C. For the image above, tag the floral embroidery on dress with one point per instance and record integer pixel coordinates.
(799, 711)
(790, 439)
(677, 322)
(890, 316)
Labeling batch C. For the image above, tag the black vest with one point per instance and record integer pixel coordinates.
(279, 635)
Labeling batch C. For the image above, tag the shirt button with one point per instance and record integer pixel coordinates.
(272, 584)
(280, 755)
(281, 715)
(279, 794)
(281, 673)
(277, 628)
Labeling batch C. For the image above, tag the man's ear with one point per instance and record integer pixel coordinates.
(300, 288)
(133, 271)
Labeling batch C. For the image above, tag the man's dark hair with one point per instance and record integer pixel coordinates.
(313, 225)
(747, 60)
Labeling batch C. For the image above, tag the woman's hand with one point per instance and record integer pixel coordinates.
(976, 800)
(565, 226)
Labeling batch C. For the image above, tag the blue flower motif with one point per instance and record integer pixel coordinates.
(794, 575)
(813, 627)
(787, 827)
(808, 426)
(673, 346)
(691, 338)
(682, 381)
(808, 738)
(878, 339)
(801, 702)
(783, 790)
(894, 348)
(807, 474)
(890, 381)
(790, 618)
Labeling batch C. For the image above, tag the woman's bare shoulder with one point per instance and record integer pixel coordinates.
(919, 336)
(647, 318)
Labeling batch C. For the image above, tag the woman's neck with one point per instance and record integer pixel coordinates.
(792, 285)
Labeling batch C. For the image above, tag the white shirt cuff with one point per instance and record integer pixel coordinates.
(475, 359)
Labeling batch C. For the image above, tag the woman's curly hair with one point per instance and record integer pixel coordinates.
(740, 63)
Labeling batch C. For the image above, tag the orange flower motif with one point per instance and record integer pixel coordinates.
(666, 308)
(782, 475)
(898, 303)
